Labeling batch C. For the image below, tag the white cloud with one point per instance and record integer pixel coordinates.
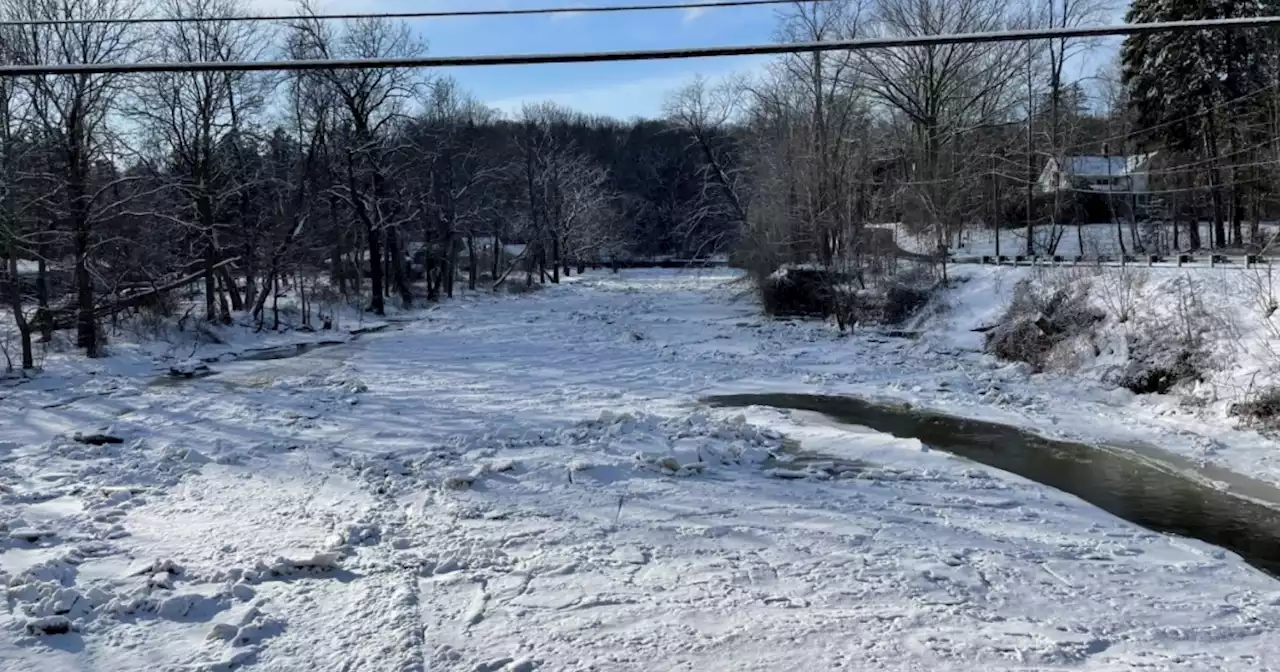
(693, 14)
(566, 16)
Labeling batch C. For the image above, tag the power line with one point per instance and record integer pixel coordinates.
(1173, 122)
(464, 13)
(860, 44)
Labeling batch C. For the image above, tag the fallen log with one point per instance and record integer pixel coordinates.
(66, 318)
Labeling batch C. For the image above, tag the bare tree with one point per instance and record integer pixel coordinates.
(370, 101)
(575, 191)
(191, 117)
(448, 140)
(941, 92)
(1063, 50)
(705, 113)
(832, 97)
(1063, 136)
(292, 173)
(75, 111)
(18, 235)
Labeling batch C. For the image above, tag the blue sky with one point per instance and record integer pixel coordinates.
(622, 90)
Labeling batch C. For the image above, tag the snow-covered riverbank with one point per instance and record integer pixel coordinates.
(525, 483)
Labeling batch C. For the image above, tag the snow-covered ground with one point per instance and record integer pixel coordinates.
(143, 344)
(528, 483)
(1231, 312)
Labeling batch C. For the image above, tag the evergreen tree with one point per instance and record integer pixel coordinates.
(1191, 87)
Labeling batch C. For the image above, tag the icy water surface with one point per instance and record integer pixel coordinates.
(1138, 483)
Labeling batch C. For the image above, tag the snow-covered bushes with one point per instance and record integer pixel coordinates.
(1158, 370)
(810, 291)
(1119, 289)
(1168, 343)
(1148, 337)
(901, 301)
(1040, 319)
(1261, 409)
(801, 291)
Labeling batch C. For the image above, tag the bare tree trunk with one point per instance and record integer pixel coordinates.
(1237, 211)
(86, 323)
(223, 304)
(387, 261)
(1176, 214)
(1079, 232)
(430, 270)
(302, 299)
(397, 267)
(210, 285)
(1219, 232)
(1215, 184)
(250, 273)
(1119, 233)
(28, 353)
(244, 205)
(497, 255)
(229, 284)
(555, 259)
(43, 316)
(472, 262)
(1255, 224)
(1237, 193)
(357, 263)
(19, 317)
(377, 305)
(337, 267)
(1135, 235)
(530, 264)
(452, 265)
(275, 300)
(1111, 206)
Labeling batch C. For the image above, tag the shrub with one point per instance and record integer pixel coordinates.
(1172, 350)
(1262, 410)
(1145, 377)
(800, 292)
(1120, 290)
(1160, 359)
(1020, 340)
(1034, 325)
(824, 293)
(902, 302)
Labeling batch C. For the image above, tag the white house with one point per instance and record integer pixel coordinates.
(1121, 175)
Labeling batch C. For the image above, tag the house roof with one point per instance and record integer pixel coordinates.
(1105, 165)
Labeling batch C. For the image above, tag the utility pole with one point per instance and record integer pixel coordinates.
(995, 199)
(1031, 159)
